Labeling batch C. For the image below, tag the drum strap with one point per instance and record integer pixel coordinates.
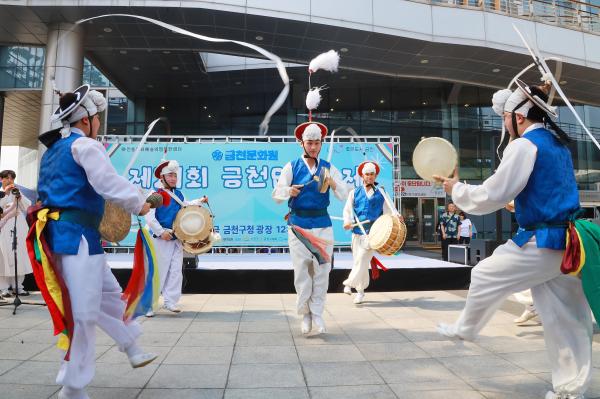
(176, 198)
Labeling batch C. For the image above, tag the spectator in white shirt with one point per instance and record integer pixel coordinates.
(465, 229)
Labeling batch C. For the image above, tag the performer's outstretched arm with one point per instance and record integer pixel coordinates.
(92, 157)
(348, 211)
(281, 192)
(509, 180)
(341, 189)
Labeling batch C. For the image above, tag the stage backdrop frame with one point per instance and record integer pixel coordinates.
(391, 144)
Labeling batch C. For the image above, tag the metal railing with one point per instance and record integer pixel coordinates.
(573, 14)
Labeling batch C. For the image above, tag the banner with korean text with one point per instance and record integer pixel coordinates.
(238, 179)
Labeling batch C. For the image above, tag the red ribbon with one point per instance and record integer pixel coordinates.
(572, 257)
(376, 265)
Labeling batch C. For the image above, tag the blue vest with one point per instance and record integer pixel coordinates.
(166, 214)
(309, 208)
(63, 184)
(367, 208)
(550, 196)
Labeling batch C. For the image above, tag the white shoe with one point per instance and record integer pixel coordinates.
(358, 299)
(173, 308)
(306, 324)
(142, 359)
(150, 313)
(72, 393)
(320, 323)
(347, 290)
(447, 330)
(525, 317)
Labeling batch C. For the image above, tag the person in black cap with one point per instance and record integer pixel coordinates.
(76, 177)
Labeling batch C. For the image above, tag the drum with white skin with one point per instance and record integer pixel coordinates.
(434, 156)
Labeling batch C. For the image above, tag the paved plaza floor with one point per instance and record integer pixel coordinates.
(250, 346)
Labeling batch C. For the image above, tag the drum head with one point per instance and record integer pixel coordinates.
(434, 156)
(115, 224)
(192, 223)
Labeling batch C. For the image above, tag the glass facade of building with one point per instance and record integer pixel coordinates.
(371, 105)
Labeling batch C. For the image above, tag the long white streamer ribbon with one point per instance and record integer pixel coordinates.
(544, 70)
(264, 125)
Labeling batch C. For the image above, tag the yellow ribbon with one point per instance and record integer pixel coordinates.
(50, 278)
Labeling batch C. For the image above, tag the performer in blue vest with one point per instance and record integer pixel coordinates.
(168, 248)
(366, 203)
(76, 176)
(310, 225)
(537, 172)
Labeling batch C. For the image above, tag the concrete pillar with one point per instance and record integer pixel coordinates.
(63, 65)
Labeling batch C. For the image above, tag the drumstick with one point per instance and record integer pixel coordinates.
(353, 224)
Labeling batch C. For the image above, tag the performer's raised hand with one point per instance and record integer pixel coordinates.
(448, 182)
(166, 235)
(204, 199)
(347, 226)
(295, 190)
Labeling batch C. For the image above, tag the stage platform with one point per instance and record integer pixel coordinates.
(282, 261)
(272, 273)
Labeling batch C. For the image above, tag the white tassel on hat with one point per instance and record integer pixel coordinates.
(313, 98)
(328, 61)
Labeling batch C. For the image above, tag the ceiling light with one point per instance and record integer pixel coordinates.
(123, 51)
(331, 109)
(166, 52)
(205, 107)
(412, 112)
(107, 30)
(372, 110)
(238, 82)
(150, 86)
(259, 38)
(563, 82)
(185, 86)
(466, 105)
(135, 68)
(163, 107)
(424, 61)
(337, 100)
(175, 68)
(209, 115)
(424, 103)
(381, 101)
(344, 50)
(496, 70)
(247, 107)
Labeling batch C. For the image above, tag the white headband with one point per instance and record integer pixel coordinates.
(312, 132)
(506, 100)
(369, 168)
(172, 167)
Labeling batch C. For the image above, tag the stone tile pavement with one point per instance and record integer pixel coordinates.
(250, 346)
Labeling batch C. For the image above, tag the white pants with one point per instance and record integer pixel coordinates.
(359, 276)
(311, 280)
(558, 298)
(9, 281)
(170, 267)
(96, 301)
